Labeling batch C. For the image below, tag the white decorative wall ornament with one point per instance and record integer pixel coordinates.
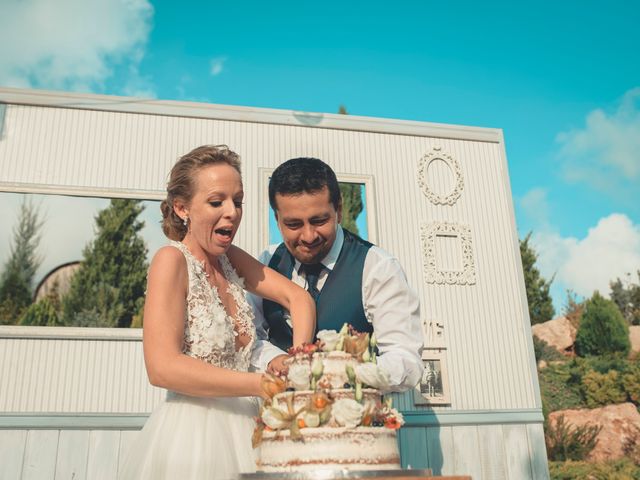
(428, 233)
(453, 165)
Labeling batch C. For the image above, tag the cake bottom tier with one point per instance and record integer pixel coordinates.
(360, 448)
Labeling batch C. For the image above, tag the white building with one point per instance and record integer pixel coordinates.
(437, 196)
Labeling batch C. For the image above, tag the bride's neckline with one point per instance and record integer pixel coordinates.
(202, 264)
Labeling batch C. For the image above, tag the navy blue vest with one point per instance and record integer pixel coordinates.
(340, 300)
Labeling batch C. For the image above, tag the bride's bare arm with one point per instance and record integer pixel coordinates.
(164, 318)
(268, 283)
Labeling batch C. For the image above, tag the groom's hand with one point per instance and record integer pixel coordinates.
(277, 366)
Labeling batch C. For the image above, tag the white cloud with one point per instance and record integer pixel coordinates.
(535, 206)
(70, 44)
(610, 250)
(605, 153)
(217, 65)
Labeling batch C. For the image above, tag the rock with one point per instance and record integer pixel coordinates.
(558, 333)
(619, 424)
(634, 337)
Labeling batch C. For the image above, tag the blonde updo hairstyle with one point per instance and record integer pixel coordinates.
(181, 184)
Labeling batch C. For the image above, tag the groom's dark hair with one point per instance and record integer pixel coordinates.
(303, 175)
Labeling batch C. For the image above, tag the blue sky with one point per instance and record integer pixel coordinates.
(562, 79)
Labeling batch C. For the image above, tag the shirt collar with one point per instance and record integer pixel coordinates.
(330, 259)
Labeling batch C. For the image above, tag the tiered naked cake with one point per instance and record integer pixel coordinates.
(328, 412)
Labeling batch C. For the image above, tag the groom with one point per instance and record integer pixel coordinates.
(350, 279)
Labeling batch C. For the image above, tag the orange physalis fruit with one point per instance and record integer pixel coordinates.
(392, 423)
(301, 423)
(272, 385)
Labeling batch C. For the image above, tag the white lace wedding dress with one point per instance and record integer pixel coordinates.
(193, 437)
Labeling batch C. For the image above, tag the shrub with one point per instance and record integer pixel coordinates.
(622, 469)
(602, 329)
(544, 351)
(631, 383)
(560, 387)
(603, 388)
(568, 442)
(602, 364)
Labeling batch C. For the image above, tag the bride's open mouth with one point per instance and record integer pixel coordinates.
(224, 234)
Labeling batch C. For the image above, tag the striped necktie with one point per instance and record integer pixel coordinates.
(312, 273)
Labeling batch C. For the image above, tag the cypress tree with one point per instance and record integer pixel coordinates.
(351, 206)
(540, 303)
(16, 281)
(108, 288)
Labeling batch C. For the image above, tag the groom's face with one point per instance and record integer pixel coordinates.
(308, 223)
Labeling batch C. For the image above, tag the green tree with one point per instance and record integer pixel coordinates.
(627, 298)
(540, 304)
(573, 308)
(108, 288)
(42, 313)
(352, 204)
(16, 281)
(602, 329)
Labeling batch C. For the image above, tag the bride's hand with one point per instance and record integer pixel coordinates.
(271, 385)
(279, 365)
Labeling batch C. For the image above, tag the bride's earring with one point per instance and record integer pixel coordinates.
(185, 220)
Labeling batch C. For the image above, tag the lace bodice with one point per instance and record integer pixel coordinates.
(209, 333)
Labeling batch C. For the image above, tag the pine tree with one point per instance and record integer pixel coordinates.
(16, 282)
(627, 298)
(108, 288)
(351, 206)
(540, 303)
(351, 198)
(602, 329)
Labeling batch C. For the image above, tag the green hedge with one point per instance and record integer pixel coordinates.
(623, 469)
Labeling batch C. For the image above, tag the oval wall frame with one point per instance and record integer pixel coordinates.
(454, 166)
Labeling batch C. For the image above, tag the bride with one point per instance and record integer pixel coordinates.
(198, 331)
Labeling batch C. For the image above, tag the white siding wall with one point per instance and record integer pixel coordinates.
(104, 146)
(486, 326)
(93, 371)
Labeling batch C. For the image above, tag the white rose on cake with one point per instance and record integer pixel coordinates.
(347, 412)
(372, 375)
(311, 419)
(274, 418)
(299, 376)
(329, 338)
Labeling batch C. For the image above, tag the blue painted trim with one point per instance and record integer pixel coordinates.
(472, 417)
(136, 421)
(22, 421)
